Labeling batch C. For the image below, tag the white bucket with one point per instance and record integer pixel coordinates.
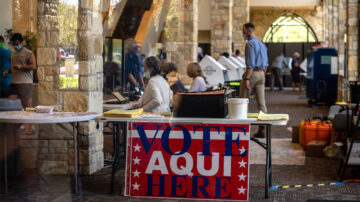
(238, 108)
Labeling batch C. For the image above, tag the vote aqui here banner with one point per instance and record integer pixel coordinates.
(202, 161)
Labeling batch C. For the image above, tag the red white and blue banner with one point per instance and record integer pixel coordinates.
(202, 161)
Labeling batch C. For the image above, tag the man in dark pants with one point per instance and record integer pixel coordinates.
(276, 67)
(254, 77)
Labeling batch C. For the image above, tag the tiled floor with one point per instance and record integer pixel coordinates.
(32, 187)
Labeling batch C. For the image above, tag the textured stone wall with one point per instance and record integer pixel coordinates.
(181, 33)
(353, 39)
(264, 17)
(241, 15)
(56, 153)
(221, 27)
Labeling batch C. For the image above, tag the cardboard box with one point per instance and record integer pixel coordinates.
(295, 134)
(315, 148)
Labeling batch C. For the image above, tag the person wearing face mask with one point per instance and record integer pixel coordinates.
(157, 94)
(5, 64)
(256, 61)
(23, 63)
(132, 68)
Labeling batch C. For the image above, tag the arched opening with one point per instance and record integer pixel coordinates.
(290, 28)
(288, 34)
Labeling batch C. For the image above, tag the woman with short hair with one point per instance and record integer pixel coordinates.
(157, 94)
(199, 80)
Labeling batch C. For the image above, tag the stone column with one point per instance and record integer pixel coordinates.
(335, 25)
(56, 153)
(221, 27)
(241, 15)
(353, 39)
(89, 96)
(182, 35)
(329, 24)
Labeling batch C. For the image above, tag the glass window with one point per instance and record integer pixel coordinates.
(290, 28)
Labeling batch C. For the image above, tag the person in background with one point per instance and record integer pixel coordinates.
(132, 68)
(157, 95)
(276, 67)
(170, 74)
(200, 54)
(23, 63)
(225, 54)
(199, 80)
(5, 64)
(237, 53)
(295, 72)
(254, 77)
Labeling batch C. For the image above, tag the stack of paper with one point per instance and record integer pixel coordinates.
(123, 113)
(272, 117)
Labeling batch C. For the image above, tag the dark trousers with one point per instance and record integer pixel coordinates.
(276, 75)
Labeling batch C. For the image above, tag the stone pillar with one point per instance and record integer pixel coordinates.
(353, 39)
(342, 7)
(89, 96)
(182, 35)
(56, 153)
(221, 27)
(335, 25)
(241, 15)
(329, 24)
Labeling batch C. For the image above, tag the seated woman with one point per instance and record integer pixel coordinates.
(199, 80)
(170, 74)
(157, 94)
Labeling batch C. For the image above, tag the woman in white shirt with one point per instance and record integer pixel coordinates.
(199, 80)
(157, 94)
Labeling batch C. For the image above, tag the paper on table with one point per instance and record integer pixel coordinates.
(253, 115)
(123, 113)
(271, 117)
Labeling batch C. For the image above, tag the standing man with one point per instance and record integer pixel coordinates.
(132, 68)
(23, 63)
(5, 64)
(254, 77)
(276, 67)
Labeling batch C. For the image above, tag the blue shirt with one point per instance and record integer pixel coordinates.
(5, 64)
(279, 61)
(256, 54)
(132, 66)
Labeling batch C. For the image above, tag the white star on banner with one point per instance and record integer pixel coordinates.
(136, 173)
(137, 147)
(242, 177)
(241, 190)
(242, 150)
(136, 186)
(242, 164)
(136, 160)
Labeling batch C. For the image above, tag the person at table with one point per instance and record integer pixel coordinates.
(23, 63)
(295, 72)
(199, 80)
(256, 61)
(157, 94)
(171, 75)
(132, 68)
(276, 68)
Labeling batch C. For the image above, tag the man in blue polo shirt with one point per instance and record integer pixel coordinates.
(254, 77)
(5, 64)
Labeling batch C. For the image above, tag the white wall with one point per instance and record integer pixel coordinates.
(204, 14)
(6, 16)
